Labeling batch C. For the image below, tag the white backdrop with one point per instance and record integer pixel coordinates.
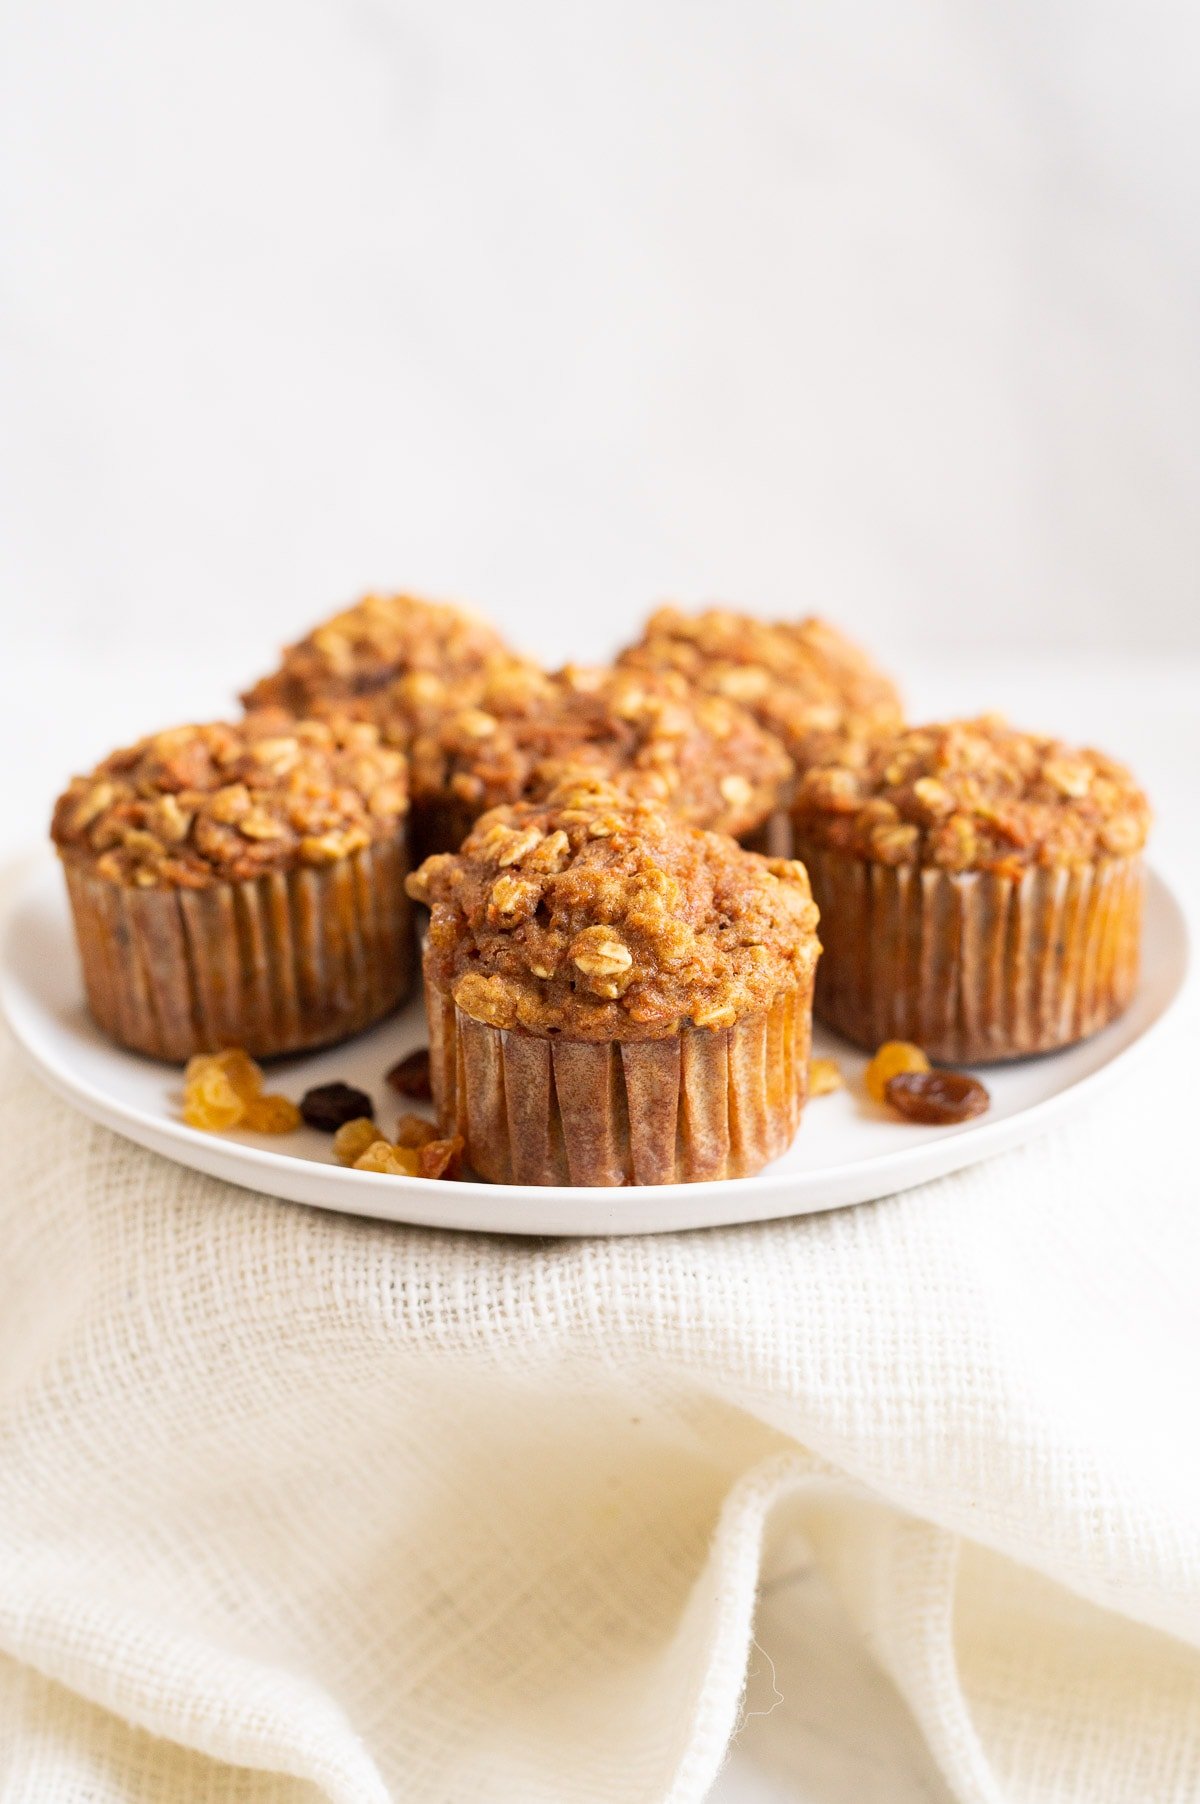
(885, 309)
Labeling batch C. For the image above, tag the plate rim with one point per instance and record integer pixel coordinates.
(671, 1206)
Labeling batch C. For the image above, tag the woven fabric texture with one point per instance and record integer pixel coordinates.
(297, 1508)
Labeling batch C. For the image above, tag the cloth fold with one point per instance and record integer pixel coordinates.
(298, 1508)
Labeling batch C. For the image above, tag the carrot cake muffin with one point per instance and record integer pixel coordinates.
(240, 885)
(404, 664)
(801, 679)
(614, 996)
(389, 659)
(980, 889)
(651, 732)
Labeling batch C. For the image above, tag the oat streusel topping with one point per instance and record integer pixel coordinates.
(973, 795)
(385, 659)
(601, 918)
(801, 679)
(651, 731)
(201, 804)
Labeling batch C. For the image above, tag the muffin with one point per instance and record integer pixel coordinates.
(405, 665)
(614, 996)
(980, 889)
(390, 659)
(802, 680)
(240, 885)
(651, 732)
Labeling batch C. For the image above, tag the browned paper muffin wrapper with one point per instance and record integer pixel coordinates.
(275, 964)
(702, 1104)
(971, 966)
(439, 824)
(773, 838)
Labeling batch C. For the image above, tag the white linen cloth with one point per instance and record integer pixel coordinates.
(295, 1508)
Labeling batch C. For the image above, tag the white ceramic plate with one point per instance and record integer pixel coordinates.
(848, 1150)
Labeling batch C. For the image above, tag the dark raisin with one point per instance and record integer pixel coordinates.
(939, 1098)
(411, 1076)
(331, 1106)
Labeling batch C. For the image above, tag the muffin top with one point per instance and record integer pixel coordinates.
(218, 803)
(601, 917)
(380, 660)
(802, 679)
(973, 795)
(650, 731)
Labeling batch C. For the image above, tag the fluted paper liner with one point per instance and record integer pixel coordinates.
(274, 964)
(703, 1103)
(971, 966)
(773, 838)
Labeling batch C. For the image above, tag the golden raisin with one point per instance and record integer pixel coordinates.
(393, 1161)
(441, 1158)
(414, 1130)
(197, 1066)
(242, 1072)
(940, 1098)
(271, 1115)
(824, 1076)
(353, 1138)
(210, 1100)
(892, 1057)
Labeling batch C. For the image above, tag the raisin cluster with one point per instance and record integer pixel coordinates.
(223, 1090)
